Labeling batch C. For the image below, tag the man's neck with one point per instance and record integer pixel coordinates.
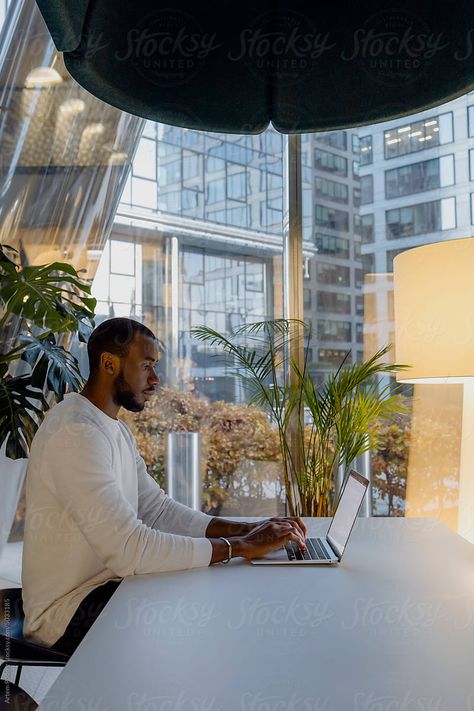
(101, 399)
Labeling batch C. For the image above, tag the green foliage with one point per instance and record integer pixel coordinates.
(47, 301)
(345, 412)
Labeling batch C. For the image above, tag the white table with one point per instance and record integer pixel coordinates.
(390, 629)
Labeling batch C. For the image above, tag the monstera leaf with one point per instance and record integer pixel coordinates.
(52, 366)
(51, 296)
(52, 300)
(19, 417)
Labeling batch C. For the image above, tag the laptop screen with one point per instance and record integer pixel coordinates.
(346, 512)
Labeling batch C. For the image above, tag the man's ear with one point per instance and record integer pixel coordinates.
(109, 363)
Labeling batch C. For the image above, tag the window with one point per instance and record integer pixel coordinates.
(333, 302)
(366, 189)
(471, 164)
(356, 197)
(470, 120)
(367, 228)
(419, 135)
(418, 177)
(421, 218)
(336, 331)
(332, 358)
(144, 162)
(366, 156)
(330, 244)
(236, 185)
(355, 143)
(332, 274)
(338, 192)
(330, 162)
(331, 218)
(336, 139)
(368, 263)
(391, 254)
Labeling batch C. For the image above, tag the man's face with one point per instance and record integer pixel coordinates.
(137, 379)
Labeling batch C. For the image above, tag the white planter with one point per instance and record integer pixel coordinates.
(12, 476)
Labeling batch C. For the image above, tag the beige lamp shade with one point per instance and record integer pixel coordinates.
(434, 312)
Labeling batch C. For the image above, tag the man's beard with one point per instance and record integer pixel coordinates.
(124, 396)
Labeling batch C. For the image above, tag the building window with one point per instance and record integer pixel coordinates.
(470, 120)
(332, 274)
(419, 219)
(392, 253)
(337, 331)
(418, 177)
(330, 162)
(330, 218)
(367, 228)
(332, 358)
(332, 190)
(471, 164)
(355, 144)
(356, 196)
(332, 302)
(366, 154)
(330, 244)
(419, 135)
(335, 139)
(368, 263)
(366, 189)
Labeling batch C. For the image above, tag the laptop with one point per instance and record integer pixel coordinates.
(329, 550)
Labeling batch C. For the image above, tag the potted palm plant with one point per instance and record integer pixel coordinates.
(39, 305)
(320, 427)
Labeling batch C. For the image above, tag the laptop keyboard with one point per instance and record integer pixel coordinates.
(314, 550)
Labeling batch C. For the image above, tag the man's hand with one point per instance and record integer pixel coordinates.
(298, 526)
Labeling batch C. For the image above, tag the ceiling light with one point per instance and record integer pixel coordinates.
(42, 77)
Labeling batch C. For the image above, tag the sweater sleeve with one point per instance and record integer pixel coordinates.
(79, 468)
(159, 511)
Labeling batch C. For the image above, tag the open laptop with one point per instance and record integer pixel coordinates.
(329, 550)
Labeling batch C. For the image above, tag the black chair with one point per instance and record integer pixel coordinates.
(13, 647)
(15, 699)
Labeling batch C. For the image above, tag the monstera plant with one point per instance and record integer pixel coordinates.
(39, 305)
(320, 426)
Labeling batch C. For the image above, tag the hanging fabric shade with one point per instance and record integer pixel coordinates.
(234, 68)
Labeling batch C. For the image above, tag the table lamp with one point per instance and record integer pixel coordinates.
(434, 336)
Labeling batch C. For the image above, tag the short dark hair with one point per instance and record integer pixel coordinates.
(114, 336)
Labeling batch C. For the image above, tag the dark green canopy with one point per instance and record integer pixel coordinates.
(307, 66)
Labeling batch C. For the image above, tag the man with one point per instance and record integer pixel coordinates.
(93, 513)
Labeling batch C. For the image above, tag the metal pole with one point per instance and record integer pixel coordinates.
(184, 468)
(293, 279)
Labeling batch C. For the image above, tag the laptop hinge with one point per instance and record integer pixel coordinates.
(336, 553)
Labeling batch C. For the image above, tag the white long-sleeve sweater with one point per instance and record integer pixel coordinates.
(93, 514)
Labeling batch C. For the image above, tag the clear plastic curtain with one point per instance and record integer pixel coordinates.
(64, 155)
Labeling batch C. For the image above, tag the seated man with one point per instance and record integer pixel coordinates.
(93, 513)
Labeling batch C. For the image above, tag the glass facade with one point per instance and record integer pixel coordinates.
(419, 177)
(198, 239)
(421, 218)
(418, 135)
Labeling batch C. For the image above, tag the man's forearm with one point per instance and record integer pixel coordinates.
(220, 527)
